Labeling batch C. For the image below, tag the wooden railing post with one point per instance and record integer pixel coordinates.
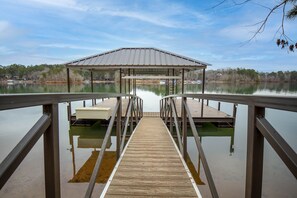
(171, 118)
(254, 163)
(234, 110)
(184, 127)
(51, 153)
(119, 127)
(219, 106)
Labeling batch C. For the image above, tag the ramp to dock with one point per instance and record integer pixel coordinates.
(151, 165)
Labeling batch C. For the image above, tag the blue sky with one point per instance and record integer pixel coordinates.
(57, 31)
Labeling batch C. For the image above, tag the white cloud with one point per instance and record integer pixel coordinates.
(68, 4)
(7, 30)
(5, 51)
(70, 46)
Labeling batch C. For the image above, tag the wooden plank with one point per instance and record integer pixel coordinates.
(136, 196)
(159, 183)
(151, 191)
(175, 169)
(151, 166)
(195, 109)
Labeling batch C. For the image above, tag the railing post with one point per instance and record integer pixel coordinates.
(202, 107)
(254, 164)
(234, 110)
(161, 109)
(119, 127)
(51, 153)
(219, 106)
(137, 109)
(69, 111)
(185, 125)
(171, 118)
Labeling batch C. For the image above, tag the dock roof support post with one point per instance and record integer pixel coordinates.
(167, 84)
(203, 80)
(129, 81)
(125, 83)
(120, 80)
(255, 147)
(68, 80)
(92, 88)
(92, 85)
(183, 81)
(134, 83)
(68, 89)
(172, 86)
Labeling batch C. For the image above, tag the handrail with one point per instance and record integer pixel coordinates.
(172, 104)
(283, 149)
(210, 181)
(258, 129)
(101, 153)
(287, 103)
(128, 114)
(47, 126)
(13, 101)
(20, 151)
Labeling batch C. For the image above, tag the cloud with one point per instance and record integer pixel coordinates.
(8, 31)
(70, 46)
(67, 4)
(6, 51)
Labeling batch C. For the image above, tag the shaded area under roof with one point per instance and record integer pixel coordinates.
(153, 77)
(137, 58)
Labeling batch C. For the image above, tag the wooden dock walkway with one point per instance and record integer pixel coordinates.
(151, 165)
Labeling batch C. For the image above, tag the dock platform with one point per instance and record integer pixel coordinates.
(210, 114)
(151, 165)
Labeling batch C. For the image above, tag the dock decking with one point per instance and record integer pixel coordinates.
(210, 114)
(151, 165)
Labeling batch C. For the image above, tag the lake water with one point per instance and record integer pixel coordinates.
(226, 162)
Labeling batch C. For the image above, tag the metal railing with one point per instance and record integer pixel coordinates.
(48, 126)
(259, 129)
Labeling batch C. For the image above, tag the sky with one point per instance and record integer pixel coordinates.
(56, 31)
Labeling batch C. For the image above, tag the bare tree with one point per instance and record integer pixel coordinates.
(283, 41)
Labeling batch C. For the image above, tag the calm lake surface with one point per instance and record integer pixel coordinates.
(227, 162)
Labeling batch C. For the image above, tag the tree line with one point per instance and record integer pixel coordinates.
(244, 75)
(57, 73)
(46, 72)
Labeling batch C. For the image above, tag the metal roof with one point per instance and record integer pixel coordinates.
(136, 58)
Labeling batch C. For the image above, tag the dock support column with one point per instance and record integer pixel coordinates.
(51, 153)
(129, 81)
(185, 125)
(92, 83)
(203, 81)
(92, 88)
(120, 80)
(119, 127)
(125, 82)
(183, 81)
(68, 90)
(68, 80)
(172, 81)
(134, 83)
(203, 87)
(254, 162)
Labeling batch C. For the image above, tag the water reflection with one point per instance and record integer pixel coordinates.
(91, 138)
